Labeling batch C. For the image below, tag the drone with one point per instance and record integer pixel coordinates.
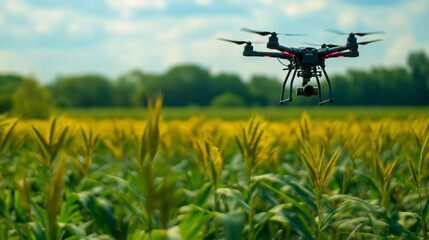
(305, 62)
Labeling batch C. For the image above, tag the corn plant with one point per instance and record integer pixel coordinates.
(87, 148)
(418, 174)
(50, 157)
(257, 150)
(210, 161)
(318, 174)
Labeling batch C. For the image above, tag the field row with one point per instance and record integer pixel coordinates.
(280, 113)
(208, 178)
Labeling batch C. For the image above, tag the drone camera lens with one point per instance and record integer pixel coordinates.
(307, 91)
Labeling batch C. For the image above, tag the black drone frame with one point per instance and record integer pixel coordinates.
(305, 62)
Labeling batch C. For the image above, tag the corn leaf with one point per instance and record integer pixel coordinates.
(425, 216)
(413, 172)
(293, 202)
(233, 224)
(233, 194)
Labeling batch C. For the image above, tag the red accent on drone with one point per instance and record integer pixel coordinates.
(288, 53)
(332, 54)
(267, 56)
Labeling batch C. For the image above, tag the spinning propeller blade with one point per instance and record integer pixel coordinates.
(240, 42)
(265, 33)
(369, 33)
(357, 34)
(376, 40)
(234, 41)
(317, 45)
(262, 33)
(336, 32)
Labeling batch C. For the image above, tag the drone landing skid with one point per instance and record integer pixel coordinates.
(290, 68)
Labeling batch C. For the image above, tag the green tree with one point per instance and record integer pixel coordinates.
(126, 92)
(135, 87)
(418, 62)
(396, 86)
(227, 100)
(82, 91)
(9, 84)
(232, 83)
(185, 84)
(31, 100)
(264, 90)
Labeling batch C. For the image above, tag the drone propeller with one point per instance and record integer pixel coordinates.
(240, 42)
(364, 43)
(323, 45)
(234, 41)
(265, 33)
(357, 34)
(335, 45)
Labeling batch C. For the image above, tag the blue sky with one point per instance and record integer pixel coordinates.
(47, 38)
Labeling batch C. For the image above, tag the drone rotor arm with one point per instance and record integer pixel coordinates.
(334, 50)
(252, 53)
(343, 54)
(286, 50)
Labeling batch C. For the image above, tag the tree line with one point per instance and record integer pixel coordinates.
(188, 84)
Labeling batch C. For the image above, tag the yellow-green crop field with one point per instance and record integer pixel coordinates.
(206, 178)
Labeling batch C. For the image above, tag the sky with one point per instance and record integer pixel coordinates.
(46, 38)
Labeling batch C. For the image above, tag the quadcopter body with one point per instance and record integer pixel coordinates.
(305, 62)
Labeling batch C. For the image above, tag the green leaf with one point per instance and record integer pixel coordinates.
(288, 216)
(203, 195)
(73, 229)
(193, 224)
(329, 168)
(423, 155)
(425, 215)
(127, 184)
(295, 186)
(234, 194)
(293, 202)
(6, 137)
(70, 211)
(395, 228)
(138, 235)
(142, 216)
(101, 210)
(355, 230)
(38, 231)
(156, 234)
(413, 171)
(233, 224)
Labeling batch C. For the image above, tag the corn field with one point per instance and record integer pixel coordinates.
(211, 179)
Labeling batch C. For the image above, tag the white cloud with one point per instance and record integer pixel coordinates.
(127, 7)
(124, 27)
(172, 56)
(268, 2)
(203, 2)
(43, 21)
(12, 62)
(293, 9)
(398, 49)
(347, 19)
